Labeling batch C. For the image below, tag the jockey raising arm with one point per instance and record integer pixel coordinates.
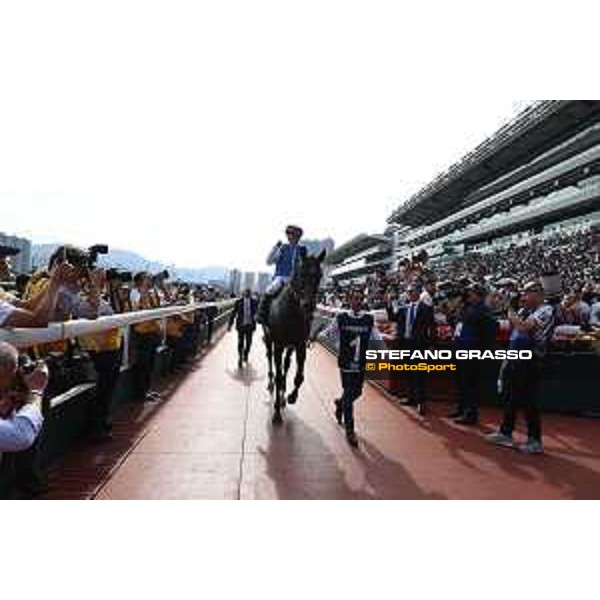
(285, 257)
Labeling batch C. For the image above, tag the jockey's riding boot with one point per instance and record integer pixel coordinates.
(339, 412)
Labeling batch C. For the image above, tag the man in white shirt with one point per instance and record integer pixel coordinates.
(595, 313)
(429, 291)
(20, 418)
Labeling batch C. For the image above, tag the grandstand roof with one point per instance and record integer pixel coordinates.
(535, 130)
(355, 245)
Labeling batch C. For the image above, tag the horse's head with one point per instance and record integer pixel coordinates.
(307, 278)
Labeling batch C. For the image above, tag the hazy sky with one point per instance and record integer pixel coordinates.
(194, 135)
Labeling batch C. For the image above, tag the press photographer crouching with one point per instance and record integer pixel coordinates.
(21, 392)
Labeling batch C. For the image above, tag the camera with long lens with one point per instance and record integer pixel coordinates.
(84, 261)
(160, 278)
(115, 275)
(515, 302)
(19, 388)
(93, 253)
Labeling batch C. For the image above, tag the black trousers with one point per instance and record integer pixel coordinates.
(245, 336)
(21, 474)
(210, 325)
(521, 380)
(470, 378)
(108, 368)
(146, 345)
(177, 347)
(352, 385)
(415, 380)
(416, 386)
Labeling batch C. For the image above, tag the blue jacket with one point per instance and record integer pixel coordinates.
(285, 257)
(479, 328)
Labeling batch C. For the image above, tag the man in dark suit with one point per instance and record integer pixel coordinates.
(476, 331)
(244, 316)
(415, 332)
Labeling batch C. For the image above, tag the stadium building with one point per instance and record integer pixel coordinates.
(363, 255)
(538, 175)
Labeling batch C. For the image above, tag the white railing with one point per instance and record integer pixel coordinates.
(24, 338)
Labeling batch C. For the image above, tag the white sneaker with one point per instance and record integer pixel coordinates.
(532, 447)
(500, 439)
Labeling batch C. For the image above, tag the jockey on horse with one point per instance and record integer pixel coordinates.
(286, 313)
(285, 257)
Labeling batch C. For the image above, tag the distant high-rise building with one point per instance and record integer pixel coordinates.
(315, 246)
(21, 263)
(248, 281)
(235, 282)
(262, 281)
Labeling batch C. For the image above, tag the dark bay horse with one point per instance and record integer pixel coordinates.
(288, 330)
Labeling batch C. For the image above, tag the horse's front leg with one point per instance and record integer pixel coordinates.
(299, 379)
(269, 347)
(279, 384)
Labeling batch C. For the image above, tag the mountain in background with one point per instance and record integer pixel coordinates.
(130, 261)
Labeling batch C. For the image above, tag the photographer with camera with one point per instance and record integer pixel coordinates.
(70, 266)
(21, 391)
(118, 290)
(146, 337)
(37, 310)
(74, 263)
(105, 351)
(532, 328)
(22, 386)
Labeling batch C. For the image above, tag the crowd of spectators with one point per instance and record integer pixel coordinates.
(72, 287)
(522, 297)
(567, 264)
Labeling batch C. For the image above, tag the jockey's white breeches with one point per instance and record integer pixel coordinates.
(275, 285)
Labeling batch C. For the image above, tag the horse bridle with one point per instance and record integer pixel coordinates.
(300, 296)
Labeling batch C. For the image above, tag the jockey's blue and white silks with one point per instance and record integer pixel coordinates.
(285, 258)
